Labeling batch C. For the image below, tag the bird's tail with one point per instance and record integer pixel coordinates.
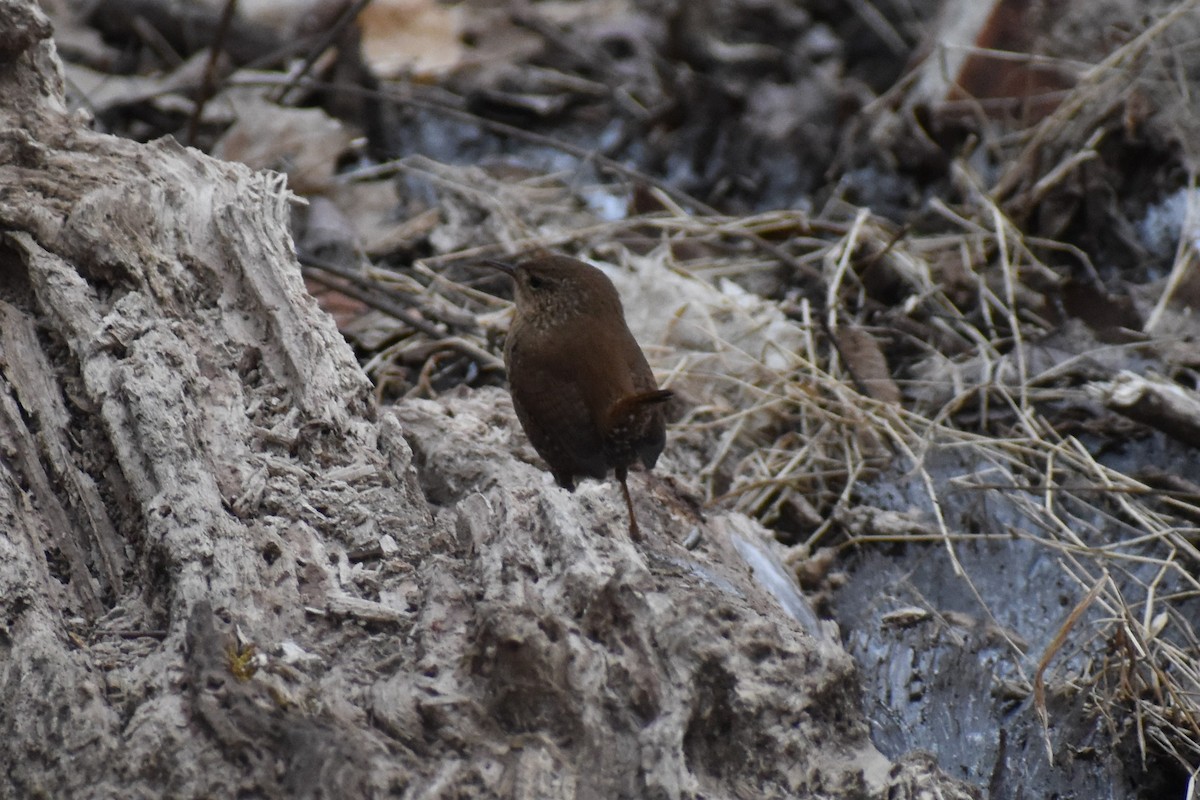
(622, 412)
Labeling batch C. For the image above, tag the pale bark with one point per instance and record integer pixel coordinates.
(224, 572)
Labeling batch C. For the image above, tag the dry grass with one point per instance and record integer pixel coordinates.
(783, 432)
(776, 426)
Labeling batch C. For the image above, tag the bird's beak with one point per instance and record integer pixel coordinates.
(503, 266)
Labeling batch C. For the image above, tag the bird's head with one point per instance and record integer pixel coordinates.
(553, 289)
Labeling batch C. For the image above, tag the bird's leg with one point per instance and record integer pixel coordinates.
(634, 532)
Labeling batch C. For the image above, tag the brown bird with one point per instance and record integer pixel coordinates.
(580, 384)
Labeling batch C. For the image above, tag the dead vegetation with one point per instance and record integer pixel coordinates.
(970, 352)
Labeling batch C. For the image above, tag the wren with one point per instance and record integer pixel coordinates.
(581, 387)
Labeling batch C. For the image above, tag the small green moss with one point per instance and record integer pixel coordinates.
(241, 661)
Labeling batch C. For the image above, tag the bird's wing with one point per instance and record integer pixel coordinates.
(554, 413)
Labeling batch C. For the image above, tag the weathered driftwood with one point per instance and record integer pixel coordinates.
(224, 572)
(1153, 401)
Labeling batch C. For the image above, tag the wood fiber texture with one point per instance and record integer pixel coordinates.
(224, 572)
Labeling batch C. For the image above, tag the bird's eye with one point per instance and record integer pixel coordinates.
(535, 282)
